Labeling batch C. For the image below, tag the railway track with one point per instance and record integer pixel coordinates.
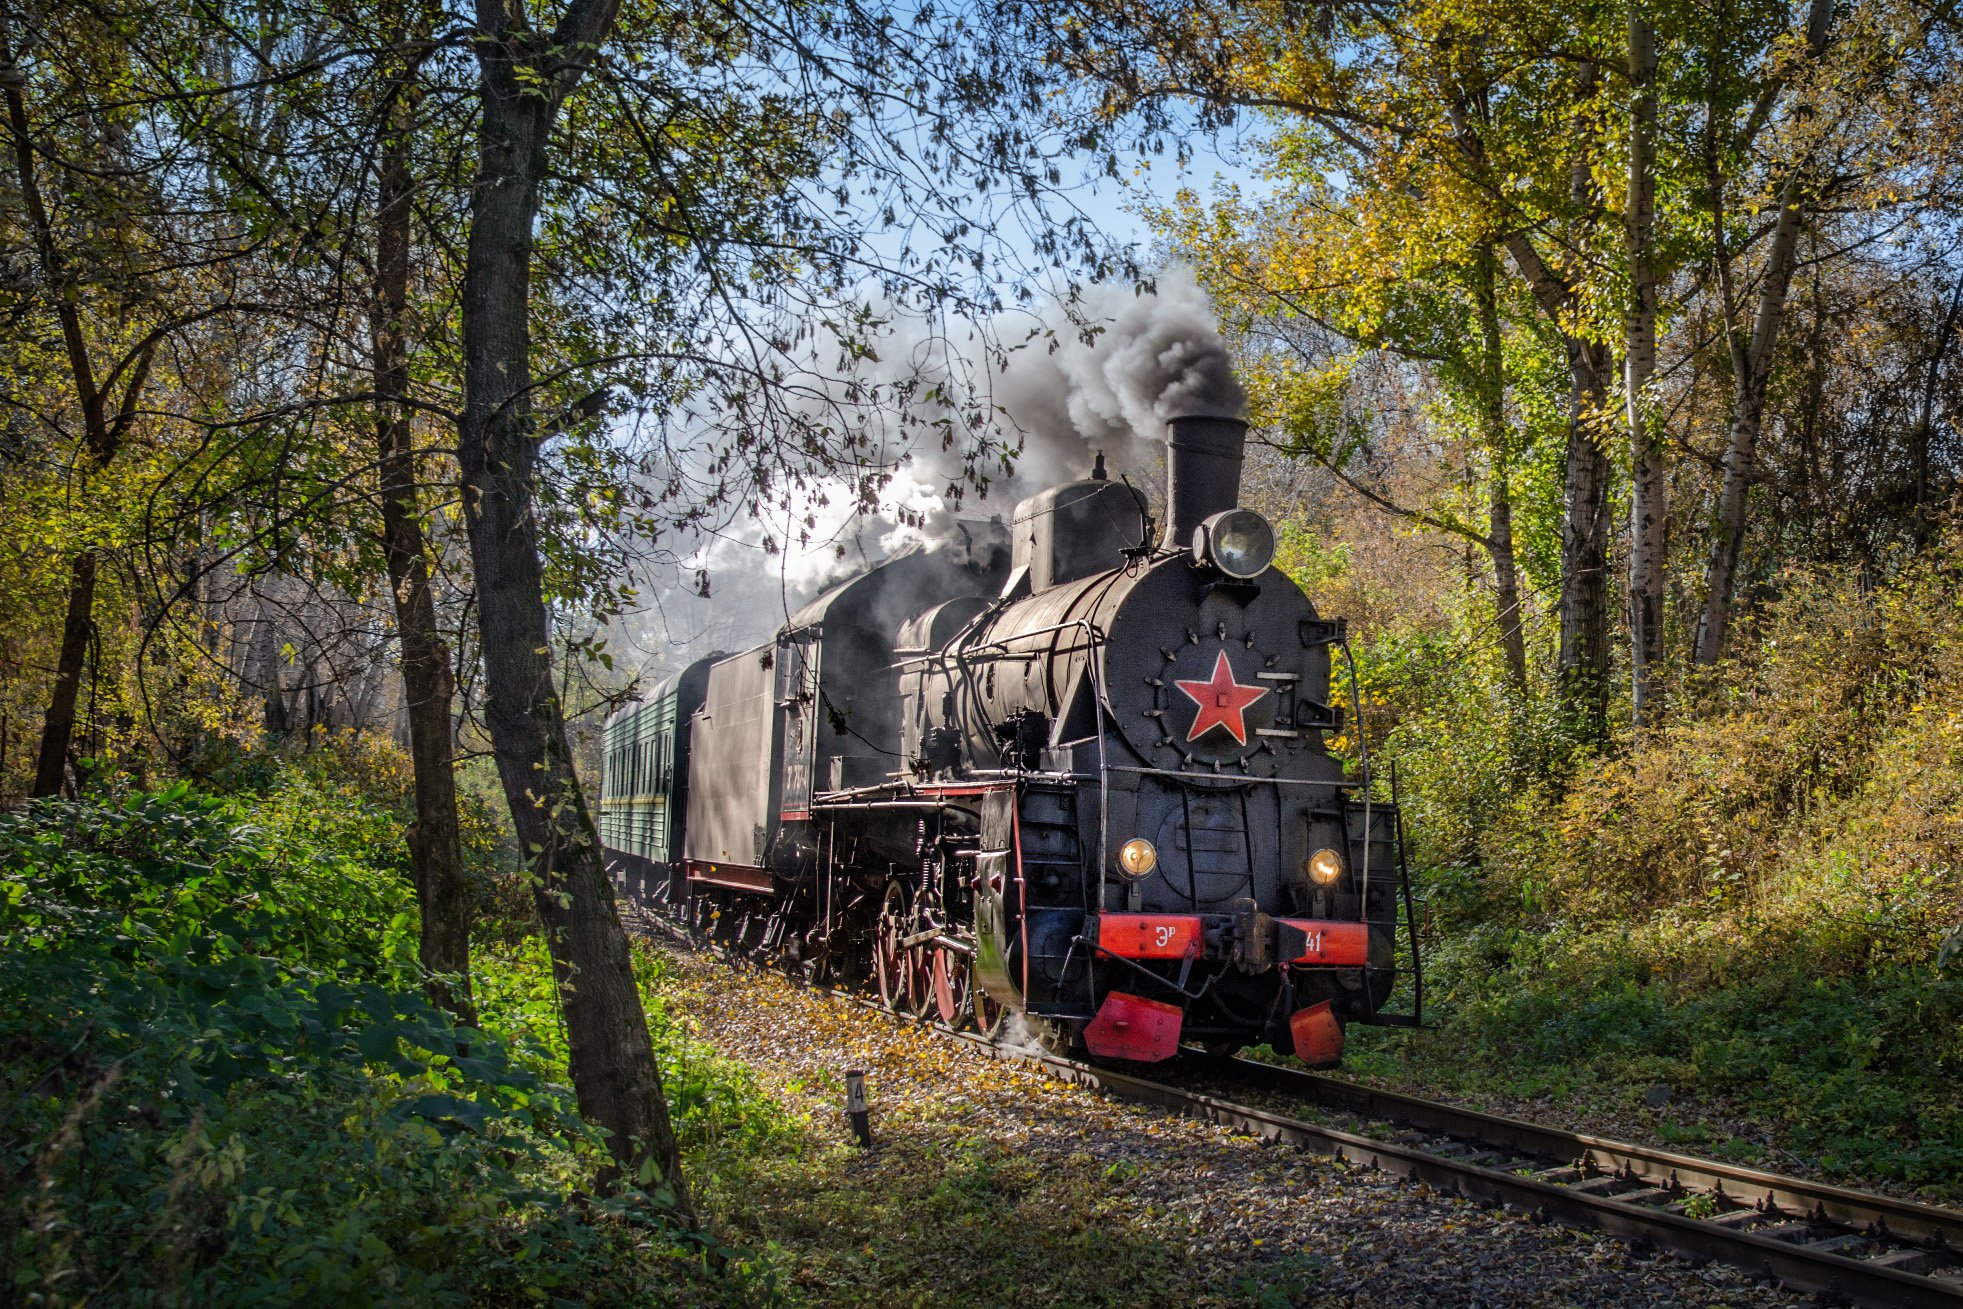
(1845, 1246)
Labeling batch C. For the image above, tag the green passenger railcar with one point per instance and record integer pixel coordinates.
(644, 782)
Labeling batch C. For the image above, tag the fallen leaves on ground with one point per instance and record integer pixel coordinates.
(991, 1184)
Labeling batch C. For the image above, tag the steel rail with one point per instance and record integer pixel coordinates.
(1902, 1220)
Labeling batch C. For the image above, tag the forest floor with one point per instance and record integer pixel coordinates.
(992, 1184)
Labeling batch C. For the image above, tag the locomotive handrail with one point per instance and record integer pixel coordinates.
(930, 656)
(1235, 778)
(935, 655)
(1104, 766)
(1363, 751)
(1090, 629)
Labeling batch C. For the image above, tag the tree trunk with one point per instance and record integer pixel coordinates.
(1492, 421)
(435, 846)
(612, 1057)
(1751, 360)
(1649, 506)
(58, 728)
(100, 437)
(1583, 664)
(1583, 660)
(1506, 579)
(1926, 413)
(1751, 371)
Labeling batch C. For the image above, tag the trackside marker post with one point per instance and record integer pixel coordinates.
(855, 1105)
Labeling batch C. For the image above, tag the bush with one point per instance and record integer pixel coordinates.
(224, 1085)
(1812, 781)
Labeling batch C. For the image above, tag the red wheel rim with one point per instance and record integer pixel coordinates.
(951, 987)
(920, 981)
(889, 963)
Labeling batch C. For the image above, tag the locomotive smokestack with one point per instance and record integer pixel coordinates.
(1203, 472)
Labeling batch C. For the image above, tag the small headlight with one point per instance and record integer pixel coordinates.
(1137, 857)
(1324, 867)
(1239, 542)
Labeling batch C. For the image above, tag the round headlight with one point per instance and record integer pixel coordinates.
(1324, 867)
(1137, 857)
(1238, 542)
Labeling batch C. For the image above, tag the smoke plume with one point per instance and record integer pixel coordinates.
(1105, 372)
(1098, 373)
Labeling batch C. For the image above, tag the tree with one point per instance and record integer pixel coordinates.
(435, 846)
(526, 76)
(746, 155)
(1306, 282)
(1649, 491)
(1459, 121)
(1752, 343)
(108, 362)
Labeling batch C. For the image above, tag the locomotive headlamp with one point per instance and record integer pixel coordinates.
(1239, 542)
(1137, 857)
(1324, 867)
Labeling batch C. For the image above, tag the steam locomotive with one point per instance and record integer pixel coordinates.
(1056, 771)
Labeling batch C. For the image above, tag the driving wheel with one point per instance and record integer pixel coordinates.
(890, 961)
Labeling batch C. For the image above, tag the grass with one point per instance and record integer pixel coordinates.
(934, 1217)
(1853, 1076)
(988, 1185)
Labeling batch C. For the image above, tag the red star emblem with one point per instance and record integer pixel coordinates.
(1223, 702)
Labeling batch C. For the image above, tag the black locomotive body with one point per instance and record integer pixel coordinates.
(1060, 772)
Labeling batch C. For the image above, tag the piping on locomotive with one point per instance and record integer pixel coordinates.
(1064, 772)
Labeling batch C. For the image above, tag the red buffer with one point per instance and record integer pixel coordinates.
(1318, 1035)
(1150, 936)
(1313, 941)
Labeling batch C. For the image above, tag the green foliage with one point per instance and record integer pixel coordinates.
(228, 1088)
(1436, 701)
(1757, 905)
(1310, 557)
(715, 1100)
(1537, 368)
(1812, 780)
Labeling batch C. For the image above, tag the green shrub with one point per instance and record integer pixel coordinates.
(225, 1086)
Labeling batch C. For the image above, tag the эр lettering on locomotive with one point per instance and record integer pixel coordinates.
(1069, 772)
